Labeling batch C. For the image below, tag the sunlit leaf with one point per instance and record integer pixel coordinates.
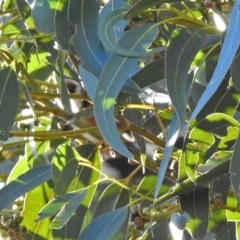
(30, 211)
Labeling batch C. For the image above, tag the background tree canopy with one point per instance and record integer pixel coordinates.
(120, 120)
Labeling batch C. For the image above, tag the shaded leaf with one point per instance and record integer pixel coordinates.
(86, 41)
(23, 184)
(99, 230)
(184, 43)
(9, 92)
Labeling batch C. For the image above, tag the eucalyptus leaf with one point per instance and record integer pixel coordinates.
(106, 34)
(183, 47)
(98, 229)
(86, 41)
(111, 81)
(9, 93)
(67, 210)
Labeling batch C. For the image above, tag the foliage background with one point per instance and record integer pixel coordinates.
(156, 89)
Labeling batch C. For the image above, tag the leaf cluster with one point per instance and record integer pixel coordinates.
(119, 120)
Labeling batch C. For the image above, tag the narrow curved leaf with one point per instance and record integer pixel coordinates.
(183, 47)
(86, 41)
(110, 7)
(106, 34)
(170, 141)
(105, 226)
(23, 184)
(229, 49)
(112, 80)
(9, 92)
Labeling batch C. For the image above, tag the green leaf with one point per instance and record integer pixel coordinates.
(64, 168)
(235, 171)
(23, 184)
(107, 36)
(36, 230)
(217, 159)
(111, 81)
(183, 46)
(105, 226)
(19, 168)
(9, 92)
(67, 210)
